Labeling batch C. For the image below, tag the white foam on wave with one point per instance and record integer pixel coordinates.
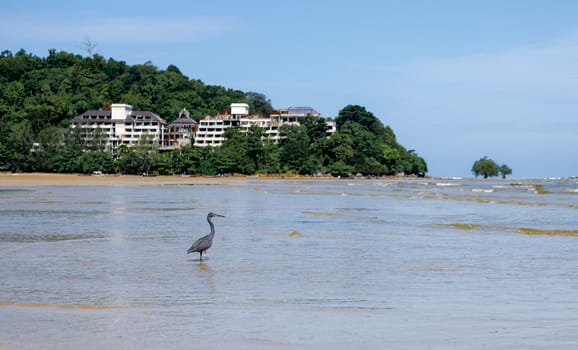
(484, 190)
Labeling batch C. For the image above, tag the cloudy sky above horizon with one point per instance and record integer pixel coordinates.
(456, 80)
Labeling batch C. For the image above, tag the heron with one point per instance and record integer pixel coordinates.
(202, 244)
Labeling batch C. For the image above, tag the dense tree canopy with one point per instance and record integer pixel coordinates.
(487, 167)
(373, 148)
(505, 170)
(39, 97)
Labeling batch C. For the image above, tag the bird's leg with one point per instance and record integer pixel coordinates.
(201, 252)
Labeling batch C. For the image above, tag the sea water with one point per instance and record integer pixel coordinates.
(374, 264)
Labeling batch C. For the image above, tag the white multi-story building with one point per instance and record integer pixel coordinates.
(294, 115)
(212, 129)
(122, 125)
(270, 127)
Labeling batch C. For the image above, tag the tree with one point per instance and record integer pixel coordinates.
(259, 103)
(189, 160)
(374, 147)
(414, 164)
(146, 148)
(96, 139)
(340, 148)
(21, 143)
(485, 167)
(138, 159)
(75, 140)
(316, 128)
(359, 115)
(127, 161)
(50, 145)
(233, 155)
(294, 146)
(255, 148)
(505, 170)
(96, 161)
(368, 149)
(89, 46)
(271, 158)
(392, 159)
(339, 168)
(208, 161)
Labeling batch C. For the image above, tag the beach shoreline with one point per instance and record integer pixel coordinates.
(8, 179)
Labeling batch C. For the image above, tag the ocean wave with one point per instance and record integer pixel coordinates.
(48, 237)
(484, 190)
(445, 184)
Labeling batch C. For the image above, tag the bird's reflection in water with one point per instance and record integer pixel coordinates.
(202, 265)
(203, 278)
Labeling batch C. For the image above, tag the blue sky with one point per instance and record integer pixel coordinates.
(456, 80)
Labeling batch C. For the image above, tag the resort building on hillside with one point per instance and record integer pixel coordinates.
(294, 114)
(122, 125)
(211, 130)
(180, 132)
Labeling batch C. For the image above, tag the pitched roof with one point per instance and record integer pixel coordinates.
(302, 110)
(184, 119)
(101, 116)
(145, 115)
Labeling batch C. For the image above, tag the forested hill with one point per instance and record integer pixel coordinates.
(39, 95)
(52, 90)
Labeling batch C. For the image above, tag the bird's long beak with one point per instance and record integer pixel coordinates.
(219, 215)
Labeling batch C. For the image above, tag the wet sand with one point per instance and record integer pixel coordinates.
(47, 179)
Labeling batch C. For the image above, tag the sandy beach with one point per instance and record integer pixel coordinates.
(8, 179)
(47, 179)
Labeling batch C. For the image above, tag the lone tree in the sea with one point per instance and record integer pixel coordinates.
(505, 170)
(486, 167)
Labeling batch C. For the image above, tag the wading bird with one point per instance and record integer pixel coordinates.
(202, 244)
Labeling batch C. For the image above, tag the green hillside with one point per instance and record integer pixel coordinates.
(40, 95)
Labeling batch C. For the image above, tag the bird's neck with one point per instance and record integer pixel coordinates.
(212, 226)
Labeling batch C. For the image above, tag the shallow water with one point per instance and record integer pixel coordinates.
(417, 264)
